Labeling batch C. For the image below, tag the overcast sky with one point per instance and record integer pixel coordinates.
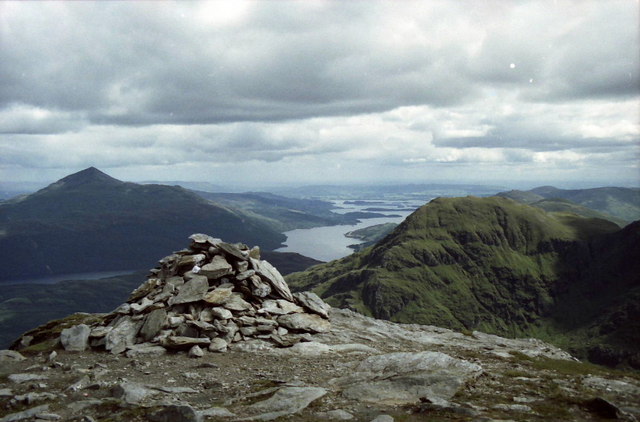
(266, 92)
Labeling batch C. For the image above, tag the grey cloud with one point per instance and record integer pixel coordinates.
(534, 142)
(157, 84)
(133, 64)
(25, 120)
(143, 66)
(599, 58)
(540, 132)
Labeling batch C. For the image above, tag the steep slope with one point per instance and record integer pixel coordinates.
(90, 221)
(620, 203)
(490, 264)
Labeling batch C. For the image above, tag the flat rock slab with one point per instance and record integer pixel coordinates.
(405, 378)
(237, 303)
(25, 414)
(233, 251)
(173, 390)
(204, 238)
(305, 322)
(335, 415)
(314, 348)
(219, 295)
(191, 291)
(10, 356)
(145, 349)
(20, 378)
(286, 401)
(180, 342)
(312, 302)
(218, 267)
(217, 412)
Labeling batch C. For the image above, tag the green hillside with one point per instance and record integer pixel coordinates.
(565, 206)
(490, 264)
(370, 235)
(90, 221)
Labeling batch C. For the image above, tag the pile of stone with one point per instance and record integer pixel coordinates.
(208, 296)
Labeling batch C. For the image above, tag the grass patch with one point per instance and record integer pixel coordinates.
(514, 373)
(569, 367)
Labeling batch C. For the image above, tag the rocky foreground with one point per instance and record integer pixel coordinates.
(215, 334)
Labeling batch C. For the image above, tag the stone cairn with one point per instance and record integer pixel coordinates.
(210, 295)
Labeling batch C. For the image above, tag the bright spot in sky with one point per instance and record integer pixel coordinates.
(512, 65)
(223, 12)
(530, 81)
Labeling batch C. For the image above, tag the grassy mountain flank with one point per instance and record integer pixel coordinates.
(621, 205)
(494, 265)
(565, 206)
(370, 235)
(89, 221)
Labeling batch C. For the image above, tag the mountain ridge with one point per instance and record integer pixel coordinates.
(491, 264)
(621, 205)
(89, 221)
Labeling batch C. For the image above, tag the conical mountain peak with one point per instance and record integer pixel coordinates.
(89, 175)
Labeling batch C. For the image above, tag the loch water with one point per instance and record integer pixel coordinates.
(327, 243)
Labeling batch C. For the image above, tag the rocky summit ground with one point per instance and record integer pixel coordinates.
(362, 370)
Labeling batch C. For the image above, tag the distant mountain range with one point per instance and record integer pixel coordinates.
(284, 214)
(89, 221)
(499, 266)
(621, 205)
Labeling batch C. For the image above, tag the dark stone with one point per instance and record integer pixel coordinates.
(603, 408)
(175, 413)
(153, 324)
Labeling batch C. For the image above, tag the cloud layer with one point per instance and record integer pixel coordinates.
(377, 90)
